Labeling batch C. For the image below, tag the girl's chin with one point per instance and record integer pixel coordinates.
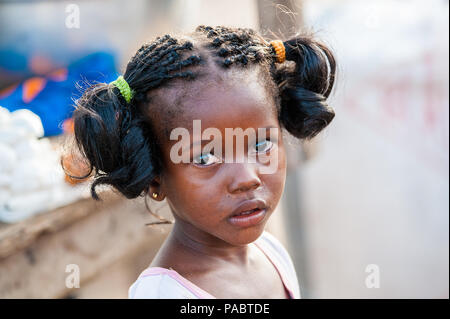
(245, 236)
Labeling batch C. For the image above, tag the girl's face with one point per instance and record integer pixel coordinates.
(204, 193)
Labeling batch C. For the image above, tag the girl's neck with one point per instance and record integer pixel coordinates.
(198, 243)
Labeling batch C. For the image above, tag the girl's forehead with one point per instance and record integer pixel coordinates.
(237, 105)
(231, 100)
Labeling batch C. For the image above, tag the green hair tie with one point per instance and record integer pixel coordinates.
(124, 88)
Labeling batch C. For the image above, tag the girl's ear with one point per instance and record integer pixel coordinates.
(155, 189)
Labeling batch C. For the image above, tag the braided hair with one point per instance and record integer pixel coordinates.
(115, 136)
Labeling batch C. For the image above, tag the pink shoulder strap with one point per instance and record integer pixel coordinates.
(194, 289)
(271, 255)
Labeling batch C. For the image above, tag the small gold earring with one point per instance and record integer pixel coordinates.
(155, 195)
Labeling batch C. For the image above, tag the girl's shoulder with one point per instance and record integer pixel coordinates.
(269, 241)
(162, 283)
(281, 258)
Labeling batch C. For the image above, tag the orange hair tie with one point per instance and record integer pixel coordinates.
(279, 50)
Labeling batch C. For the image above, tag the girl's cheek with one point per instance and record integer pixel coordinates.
(277, 180)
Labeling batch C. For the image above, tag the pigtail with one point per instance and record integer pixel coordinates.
(114, 135)
(305, 87)
(114, 141)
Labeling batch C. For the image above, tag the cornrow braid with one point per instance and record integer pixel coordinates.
(236, 45)
(153, 63)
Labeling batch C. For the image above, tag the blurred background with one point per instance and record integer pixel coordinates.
(365, 211)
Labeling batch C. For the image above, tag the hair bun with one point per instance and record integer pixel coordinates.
(305, 87)
(116, 145)
(304, 113)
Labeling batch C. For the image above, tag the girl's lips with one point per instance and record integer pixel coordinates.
(246, 220)
(248, 205)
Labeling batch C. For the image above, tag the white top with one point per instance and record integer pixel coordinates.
(162, 283)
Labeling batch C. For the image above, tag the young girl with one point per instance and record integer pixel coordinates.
(226, 78)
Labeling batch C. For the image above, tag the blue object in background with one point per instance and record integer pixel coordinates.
(53, 99)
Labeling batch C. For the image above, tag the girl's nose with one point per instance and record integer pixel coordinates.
(243, 177)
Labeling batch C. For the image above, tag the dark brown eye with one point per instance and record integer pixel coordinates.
(206, 159)
(263, 146)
